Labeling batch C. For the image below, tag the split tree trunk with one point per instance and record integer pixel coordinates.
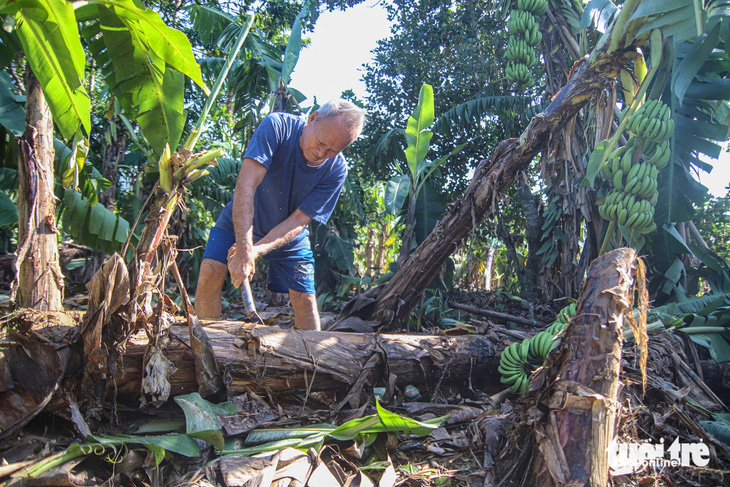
(40, 280)
(278, 362)
(574, 435)
(493, 176)
(370, 253)
(488, 269)
(382, 237)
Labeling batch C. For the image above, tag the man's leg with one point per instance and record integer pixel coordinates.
(214, 268)
(208, 293)
(306, 314)
(294, 270)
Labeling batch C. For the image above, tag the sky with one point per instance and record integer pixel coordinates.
(342, 42)
(719, 178)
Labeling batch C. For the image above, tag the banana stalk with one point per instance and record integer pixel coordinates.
(198, 160)
(628, 86)
(164, 166)
(195, 134)
(640, 68)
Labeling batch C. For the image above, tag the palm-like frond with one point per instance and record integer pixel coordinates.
(697, 305)
(210, 66)
(390, 148)
(700, 122)
(518, 108)
(210, 23)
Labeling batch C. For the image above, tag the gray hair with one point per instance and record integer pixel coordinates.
(350, 114)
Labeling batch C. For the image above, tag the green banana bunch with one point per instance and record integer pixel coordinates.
(518, 72)
(562, 319)
(652, 121)
(512, 366)
(620, 158)
(519, 359)
(540, 346)
(184, 168)
(632, 211)
(509, 73)
(661, 155)
(631, 202)
(641, 180)
(517, 49)
(533, 36)
(525, 33)
(536, 7)
(521, 21)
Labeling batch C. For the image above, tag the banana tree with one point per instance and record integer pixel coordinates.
(691, 80)
(156, 250)
(412, 186)
(494, 174)
(144, 61)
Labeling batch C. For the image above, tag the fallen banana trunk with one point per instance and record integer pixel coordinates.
(270, 360)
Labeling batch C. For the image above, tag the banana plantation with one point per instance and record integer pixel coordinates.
(523, 281)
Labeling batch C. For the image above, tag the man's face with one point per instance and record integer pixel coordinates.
(323, 138)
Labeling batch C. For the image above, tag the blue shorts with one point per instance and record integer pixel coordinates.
(288, 268)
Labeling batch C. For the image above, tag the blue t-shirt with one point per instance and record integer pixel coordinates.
(290, 183)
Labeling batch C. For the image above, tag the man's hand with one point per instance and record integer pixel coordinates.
(241, 265)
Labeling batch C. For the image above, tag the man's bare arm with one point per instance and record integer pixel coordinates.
(283, 233)
(241, 266)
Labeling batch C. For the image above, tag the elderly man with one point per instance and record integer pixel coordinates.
(292, 173)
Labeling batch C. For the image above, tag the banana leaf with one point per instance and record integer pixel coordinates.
(146, 88)
(94, 226)
(430, 207)
(598, 13)
(674, 17)
(200, 415)
(688, 68)
(49, 35)
(12, 113)
(294, 45)
(341, 251)
(418, 135)
(396, 193)
(8, 211)
(716, 343)
(209, 23)
(718, 429)
(475, 111)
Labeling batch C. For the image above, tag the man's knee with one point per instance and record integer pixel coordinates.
(208, 291)
(212, 272)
